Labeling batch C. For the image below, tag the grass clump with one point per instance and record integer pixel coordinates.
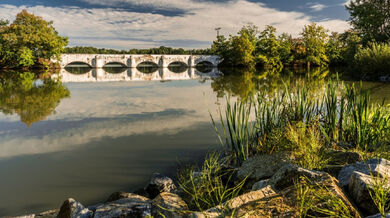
(379, 191)
(208, 186)
(316, 200)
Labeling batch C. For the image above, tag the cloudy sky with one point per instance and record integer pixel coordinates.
(125, 24)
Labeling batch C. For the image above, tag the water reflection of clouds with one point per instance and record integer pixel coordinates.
(112, 110)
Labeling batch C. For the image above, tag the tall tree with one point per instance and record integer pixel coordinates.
(28, 38)
(268, 48)
(371, 18)
(314, 38)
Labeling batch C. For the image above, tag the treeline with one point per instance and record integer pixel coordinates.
(159, 50)
(365, 48)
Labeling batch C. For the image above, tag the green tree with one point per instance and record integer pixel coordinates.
(314, 38)
(371, 18)
(285, 50)
(242, 51)
(28, 38)
(268, 48)
(334, 49)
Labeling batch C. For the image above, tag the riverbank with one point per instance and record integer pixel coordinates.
(273, 187)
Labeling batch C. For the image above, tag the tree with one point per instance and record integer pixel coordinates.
(242, 51)
(28, 38)
(268, 48)
(371, 18)
(334, 49)
(314, 38)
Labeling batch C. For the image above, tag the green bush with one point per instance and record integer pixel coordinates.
(374, 60)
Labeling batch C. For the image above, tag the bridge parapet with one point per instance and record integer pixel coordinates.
(132, 61)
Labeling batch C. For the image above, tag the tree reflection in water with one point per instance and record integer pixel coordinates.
(33, 102)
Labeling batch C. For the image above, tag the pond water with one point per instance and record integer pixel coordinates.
(101, 132)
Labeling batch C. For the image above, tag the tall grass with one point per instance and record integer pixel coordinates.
(342, 114)
(238, 129)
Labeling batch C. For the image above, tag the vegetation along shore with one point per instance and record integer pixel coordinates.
(304, 149)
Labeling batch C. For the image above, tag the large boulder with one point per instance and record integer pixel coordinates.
(73, 209)
(168, 205)
(48, 214)
(158, 184)
(260, 184)
(377, 166)
(262, 166)
(358, 179)
(289, 174)
(133, 206)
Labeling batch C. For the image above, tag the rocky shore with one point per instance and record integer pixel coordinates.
(271, 189)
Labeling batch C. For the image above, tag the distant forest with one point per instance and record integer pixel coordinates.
(159, 50)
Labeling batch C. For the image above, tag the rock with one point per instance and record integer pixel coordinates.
(337, 157)
(158, 184)
(204, 215)
(261, 166)
(119, 195)
(377, 166)
(358, 189)
(73, 209)
(260, 184)
(26, 216)
(133, 206)
(378, 215)
(289, 174)
(168, 205)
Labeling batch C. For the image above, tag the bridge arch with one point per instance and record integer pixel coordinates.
(147, 67)
(78, 68)
(178, 67)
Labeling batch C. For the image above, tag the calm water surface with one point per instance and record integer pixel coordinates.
(111, 136)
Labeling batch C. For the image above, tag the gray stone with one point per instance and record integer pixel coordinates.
(119, 195)
(48, 214)
(260, 184)
(158, 184)
(337, 157)
(261, 166)
(168, 205)
(378, 166)
(358, 189)
(289, 174)
(133, 206)
(26, 216)
(378, 215)
(73, 209)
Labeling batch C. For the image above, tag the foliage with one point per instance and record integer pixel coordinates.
(268, 48)
(307, 145)
(371, 19)
(334, 49)
(379, 192)
(208, 186)
(373, 60)
(28, 38)
(32, 103)
(314, 38)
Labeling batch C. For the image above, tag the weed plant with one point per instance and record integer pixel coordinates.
(208, 186)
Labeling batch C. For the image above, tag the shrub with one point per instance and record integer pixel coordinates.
(374, 60)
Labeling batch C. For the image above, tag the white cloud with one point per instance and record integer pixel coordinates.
(118, 28)
(318, 7)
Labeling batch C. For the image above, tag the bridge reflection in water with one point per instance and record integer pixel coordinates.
(134, 74)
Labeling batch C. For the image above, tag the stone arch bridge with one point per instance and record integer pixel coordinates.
(132, 61)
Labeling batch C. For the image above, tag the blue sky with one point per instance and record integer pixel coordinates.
(125, 24)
